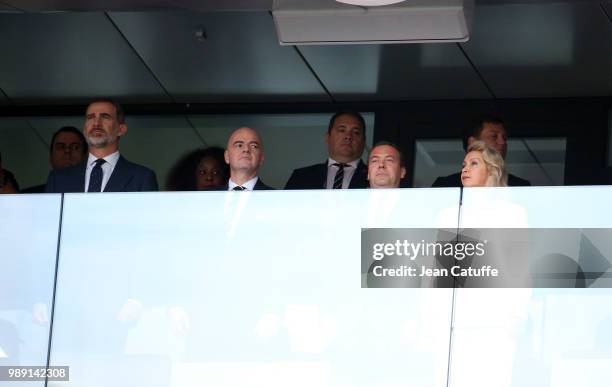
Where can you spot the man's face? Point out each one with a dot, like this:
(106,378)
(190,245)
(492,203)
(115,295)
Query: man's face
(494,135)
(346,139)
(384,167)
(244,151)
(101,125)
(67,150)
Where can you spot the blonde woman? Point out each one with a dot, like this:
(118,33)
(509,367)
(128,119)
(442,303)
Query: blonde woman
(483,166)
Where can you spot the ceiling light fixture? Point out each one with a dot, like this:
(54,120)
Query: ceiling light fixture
(330,22)
(369,3)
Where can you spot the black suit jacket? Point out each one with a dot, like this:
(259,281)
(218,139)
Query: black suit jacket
(35,189)
(454,180)
(126,177)
(315,177)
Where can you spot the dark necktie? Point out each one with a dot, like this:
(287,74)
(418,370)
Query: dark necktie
(95,179)
(339,175)
(238,188)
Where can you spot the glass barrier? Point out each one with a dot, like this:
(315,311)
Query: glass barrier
(264,288)
(244,289)
(540,336)
(28,233)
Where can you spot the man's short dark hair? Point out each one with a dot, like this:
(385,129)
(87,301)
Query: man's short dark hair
(394,146)
(477,126)
(118,108)
(352,113)
(69,129)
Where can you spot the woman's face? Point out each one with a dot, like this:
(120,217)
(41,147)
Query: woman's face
(474,172)
(209,174)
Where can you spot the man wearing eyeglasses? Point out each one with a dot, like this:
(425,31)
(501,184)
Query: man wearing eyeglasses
(68,148)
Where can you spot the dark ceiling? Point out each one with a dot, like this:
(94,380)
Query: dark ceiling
(147,51)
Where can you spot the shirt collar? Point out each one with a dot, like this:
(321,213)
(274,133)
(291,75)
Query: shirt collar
(353,163)
(249,185)
(110,159)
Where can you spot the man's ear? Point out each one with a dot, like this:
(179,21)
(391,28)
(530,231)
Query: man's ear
(470,140)
(403,173)
(122,130)
(226,157)
(327,138)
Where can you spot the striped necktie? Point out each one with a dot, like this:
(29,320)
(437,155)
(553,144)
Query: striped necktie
(339,175)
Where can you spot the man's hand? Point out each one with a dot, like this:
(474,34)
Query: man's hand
(39,313)
(179,321)
(131,311)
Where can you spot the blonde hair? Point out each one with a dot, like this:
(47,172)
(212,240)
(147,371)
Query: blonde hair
(498,177)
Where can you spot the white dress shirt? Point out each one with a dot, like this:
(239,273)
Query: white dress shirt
(249,185)
(348,173)
(107,168)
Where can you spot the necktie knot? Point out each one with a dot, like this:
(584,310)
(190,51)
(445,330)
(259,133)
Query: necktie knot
(238,188)
(339,178)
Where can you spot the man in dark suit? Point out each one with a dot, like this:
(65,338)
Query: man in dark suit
(105,170)
(245,155)
(491,130)
(345,140)
(68,148)
(385,166)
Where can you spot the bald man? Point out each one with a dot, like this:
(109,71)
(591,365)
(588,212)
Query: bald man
(245,155)
(385,166)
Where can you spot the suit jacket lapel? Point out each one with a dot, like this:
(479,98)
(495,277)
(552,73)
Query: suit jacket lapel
(79,179)
(120,177)
(360,175)
(323,173)
(259,185)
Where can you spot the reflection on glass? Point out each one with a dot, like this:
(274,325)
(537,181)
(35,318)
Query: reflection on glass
(537,337)
(242,288)
(28,232)
(225,288)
